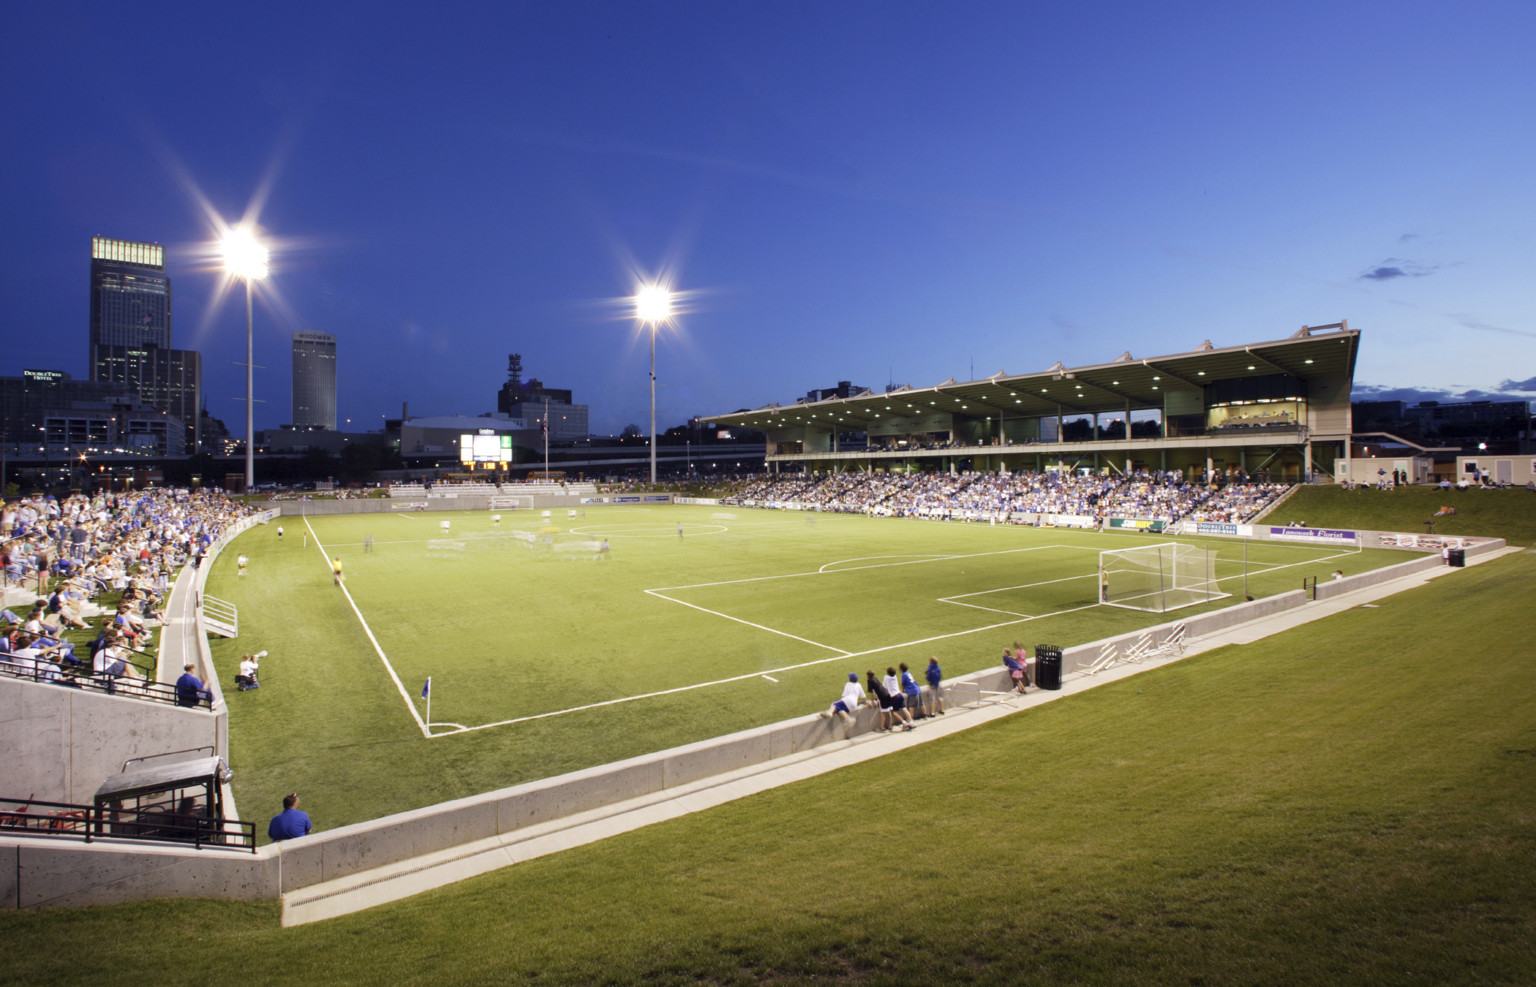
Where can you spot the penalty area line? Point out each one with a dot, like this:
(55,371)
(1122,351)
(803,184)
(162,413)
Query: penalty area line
(373,640)
(761,627)
(753,675)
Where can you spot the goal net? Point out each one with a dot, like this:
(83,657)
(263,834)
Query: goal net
(1158,578)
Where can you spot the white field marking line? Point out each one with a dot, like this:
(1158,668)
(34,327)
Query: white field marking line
(1005,589)
(1289,565)
(842,656)
(876,559)
(977,606)
(770,678)
(761,627)
(405,517)
(751,675)
(653,531)
(373,640)
(823,571)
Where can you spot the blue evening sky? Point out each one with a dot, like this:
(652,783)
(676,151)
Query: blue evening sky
(873,192)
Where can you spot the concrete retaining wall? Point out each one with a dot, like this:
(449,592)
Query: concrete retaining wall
(1083,655)
(43,873)
(60,744)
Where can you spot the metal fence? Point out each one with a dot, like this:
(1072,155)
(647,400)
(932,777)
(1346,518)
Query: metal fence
(35,817)
(145,688)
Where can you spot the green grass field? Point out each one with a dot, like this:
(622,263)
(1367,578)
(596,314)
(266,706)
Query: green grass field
(1508,513)
(545,661)
(1347,802)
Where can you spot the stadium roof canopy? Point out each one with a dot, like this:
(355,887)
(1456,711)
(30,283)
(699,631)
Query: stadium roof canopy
(1137,383)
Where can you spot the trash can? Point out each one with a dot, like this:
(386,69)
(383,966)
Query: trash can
(1457,557)
(1048,666)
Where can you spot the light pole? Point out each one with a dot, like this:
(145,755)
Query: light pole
(246,259)
(653,306)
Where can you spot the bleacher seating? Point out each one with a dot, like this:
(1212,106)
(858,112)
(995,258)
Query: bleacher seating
(1009,497)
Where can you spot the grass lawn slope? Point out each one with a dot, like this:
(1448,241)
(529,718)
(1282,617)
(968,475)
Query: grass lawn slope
(1509,514)
(1351,801)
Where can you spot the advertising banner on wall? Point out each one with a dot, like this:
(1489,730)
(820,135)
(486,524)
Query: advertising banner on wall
(1137,524)
(1314,535)
(1067,520)
(1427,542)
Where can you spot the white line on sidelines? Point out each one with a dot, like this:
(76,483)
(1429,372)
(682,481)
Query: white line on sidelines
(761,627)
(755,675)
(770,678)
(373,640)
(883,565)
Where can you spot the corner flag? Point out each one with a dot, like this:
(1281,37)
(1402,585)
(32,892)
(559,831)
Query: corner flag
(426,690)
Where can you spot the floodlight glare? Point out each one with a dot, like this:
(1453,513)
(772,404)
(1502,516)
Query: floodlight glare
(246,259)
(243,256)
(653,304)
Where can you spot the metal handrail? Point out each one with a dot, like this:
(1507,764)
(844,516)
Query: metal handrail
(146,689)
(71,820)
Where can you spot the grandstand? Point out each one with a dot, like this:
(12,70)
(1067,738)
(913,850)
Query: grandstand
(1052,498)
(1277,409)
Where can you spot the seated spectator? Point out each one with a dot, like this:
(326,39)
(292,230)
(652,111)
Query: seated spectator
(189,689)
(290,823)
(249,665)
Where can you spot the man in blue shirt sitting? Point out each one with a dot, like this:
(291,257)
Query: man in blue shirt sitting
(189,688)
(290,823)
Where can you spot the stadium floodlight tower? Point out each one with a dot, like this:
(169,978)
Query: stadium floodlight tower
(246,259)
(653,306)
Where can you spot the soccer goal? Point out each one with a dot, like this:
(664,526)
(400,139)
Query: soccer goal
(1158,578)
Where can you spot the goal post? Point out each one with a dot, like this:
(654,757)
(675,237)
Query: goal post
(1158,578)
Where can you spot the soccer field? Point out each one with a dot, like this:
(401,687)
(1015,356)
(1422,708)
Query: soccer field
(546,654)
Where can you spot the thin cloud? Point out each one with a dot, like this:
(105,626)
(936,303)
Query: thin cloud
(1392,268)
(1482,326)
(1529,384)
(1418,395)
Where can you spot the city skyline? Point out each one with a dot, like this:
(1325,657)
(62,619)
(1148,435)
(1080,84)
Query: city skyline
(883,194)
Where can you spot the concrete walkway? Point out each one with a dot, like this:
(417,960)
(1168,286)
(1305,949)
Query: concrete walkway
(401,880)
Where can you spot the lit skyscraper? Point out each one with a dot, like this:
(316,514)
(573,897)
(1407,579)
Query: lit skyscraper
(314,380)
(130,296)
(130,331)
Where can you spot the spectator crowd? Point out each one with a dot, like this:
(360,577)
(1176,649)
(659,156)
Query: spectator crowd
(1018,498)
(104,558)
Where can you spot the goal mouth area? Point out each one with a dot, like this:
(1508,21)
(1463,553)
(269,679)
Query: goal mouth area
(1158,578)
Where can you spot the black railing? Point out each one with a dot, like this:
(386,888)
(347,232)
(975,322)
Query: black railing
(36,817)
(35,670)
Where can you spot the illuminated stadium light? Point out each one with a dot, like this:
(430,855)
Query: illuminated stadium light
(653,306)
(245,258)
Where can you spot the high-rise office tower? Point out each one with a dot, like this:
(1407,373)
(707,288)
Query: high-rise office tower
(130,296)
(314,380)
(130,332)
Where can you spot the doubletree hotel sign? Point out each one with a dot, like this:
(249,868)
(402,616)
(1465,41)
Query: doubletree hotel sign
(43,376)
